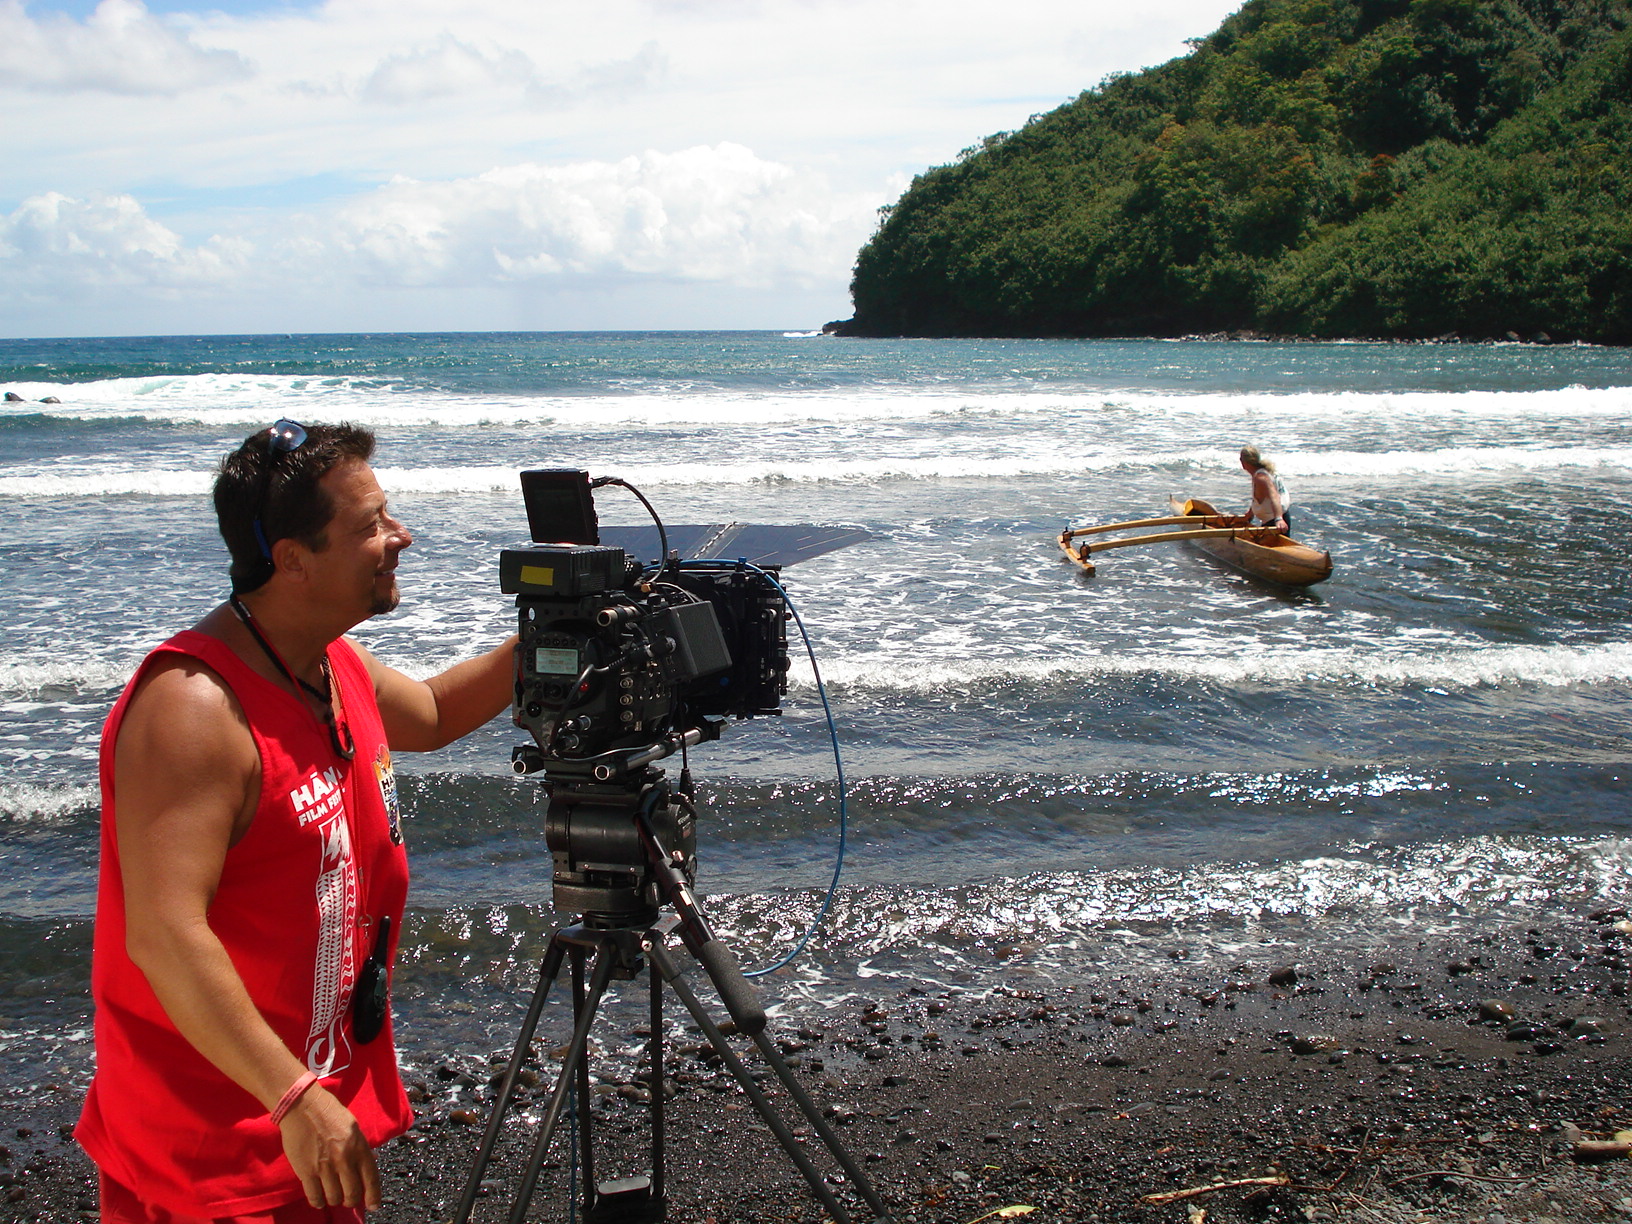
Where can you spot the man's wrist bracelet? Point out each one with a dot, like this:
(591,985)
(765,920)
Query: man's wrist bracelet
(295,1092)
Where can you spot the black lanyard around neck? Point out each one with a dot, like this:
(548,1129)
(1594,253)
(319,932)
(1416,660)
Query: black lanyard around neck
(344,748)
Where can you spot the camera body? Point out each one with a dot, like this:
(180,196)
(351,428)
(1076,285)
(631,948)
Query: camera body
(618,665)
(608,661)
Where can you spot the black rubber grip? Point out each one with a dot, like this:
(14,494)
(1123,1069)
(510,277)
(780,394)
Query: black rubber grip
(739,997)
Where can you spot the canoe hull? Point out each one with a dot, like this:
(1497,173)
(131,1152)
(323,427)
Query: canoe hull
(1270,556)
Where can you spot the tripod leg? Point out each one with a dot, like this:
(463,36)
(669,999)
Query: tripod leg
(586,1142)
(548,969)
(808,1107)
(605,961)
(762,1105)
(659,1190)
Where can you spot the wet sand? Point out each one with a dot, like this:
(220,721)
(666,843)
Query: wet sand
(1463,1084)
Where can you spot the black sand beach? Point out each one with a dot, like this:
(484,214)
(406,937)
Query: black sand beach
(1468,1083)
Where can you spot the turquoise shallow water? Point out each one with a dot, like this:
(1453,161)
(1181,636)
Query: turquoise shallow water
(1438,735)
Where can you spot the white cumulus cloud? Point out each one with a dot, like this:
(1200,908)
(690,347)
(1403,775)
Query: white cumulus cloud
(420,164)
(120,48)
(712,213)
(54,242)
(447,68)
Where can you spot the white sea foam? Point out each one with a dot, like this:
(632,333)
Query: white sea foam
(22,803)
(1460,668)
(1038,457)
(233,402)
(910,671)
(33,680)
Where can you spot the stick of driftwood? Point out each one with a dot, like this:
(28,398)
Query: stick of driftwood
(1455,1173)
(1175,1196)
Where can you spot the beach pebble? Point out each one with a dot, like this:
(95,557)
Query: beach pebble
(1524,1030)
(1494,1010)
(841,1113)
(1584,1026)
(1312,1043)
(1286,975)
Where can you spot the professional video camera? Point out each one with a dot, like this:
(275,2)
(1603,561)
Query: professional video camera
(616,656)
(618,665)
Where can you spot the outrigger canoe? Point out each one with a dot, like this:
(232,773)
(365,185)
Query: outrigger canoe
(1259,551)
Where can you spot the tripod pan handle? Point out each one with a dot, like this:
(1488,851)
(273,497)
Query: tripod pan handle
(739,997)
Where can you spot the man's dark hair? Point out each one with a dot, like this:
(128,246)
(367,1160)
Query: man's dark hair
(279,489)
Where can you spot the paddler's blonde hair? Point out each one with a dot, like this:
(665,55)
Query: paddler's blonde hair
(1250,455)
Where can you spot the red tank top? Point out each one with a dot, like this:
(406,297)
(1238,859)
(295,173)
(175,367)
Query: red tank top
(298,907)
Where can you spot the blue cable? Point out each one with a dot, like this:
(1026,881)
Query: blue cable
(838,763)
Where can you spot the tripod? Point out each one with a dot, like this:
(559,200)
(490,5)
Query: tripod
(620,949)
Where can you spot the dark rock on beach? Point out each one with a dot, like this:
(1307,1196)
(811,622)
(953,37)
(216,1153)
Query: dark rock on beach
(1343,1098)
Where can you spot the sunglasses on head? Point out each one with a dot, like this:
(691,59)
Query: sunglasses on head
(286,436)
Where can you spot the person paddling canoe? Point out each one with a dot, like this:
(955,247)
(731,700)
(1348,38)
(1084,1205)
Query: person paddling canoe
(1269,498)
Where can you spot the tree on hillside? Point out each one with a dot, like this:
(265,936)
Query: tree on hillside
(1325,167)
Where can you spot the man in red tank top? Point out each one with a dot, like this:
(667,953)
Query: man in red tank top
(253,873)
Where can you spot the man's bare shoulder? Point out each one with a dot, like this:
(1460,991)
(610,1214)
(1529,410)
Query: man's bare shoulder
(185,760)
(184,708)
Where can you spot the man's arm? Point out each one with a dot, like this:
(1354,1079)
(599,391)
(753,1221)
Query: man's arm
(421,715)
(186,785)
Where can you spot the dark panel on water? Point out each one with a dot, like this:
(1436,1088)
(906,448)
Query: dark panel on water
(759,543)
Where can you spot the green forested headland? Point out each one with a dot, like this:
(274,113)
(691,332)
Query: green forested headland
(1386,168)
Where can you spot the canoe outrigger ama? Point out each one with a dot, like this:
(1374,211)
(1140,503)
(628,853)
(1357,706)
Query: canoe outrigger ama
(1261,552)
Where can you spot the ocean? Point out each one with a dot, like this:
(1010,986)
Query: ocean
(1051,778)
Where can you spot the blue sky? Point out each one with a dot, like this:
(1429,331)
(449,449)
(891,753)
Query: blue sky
(431,164)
